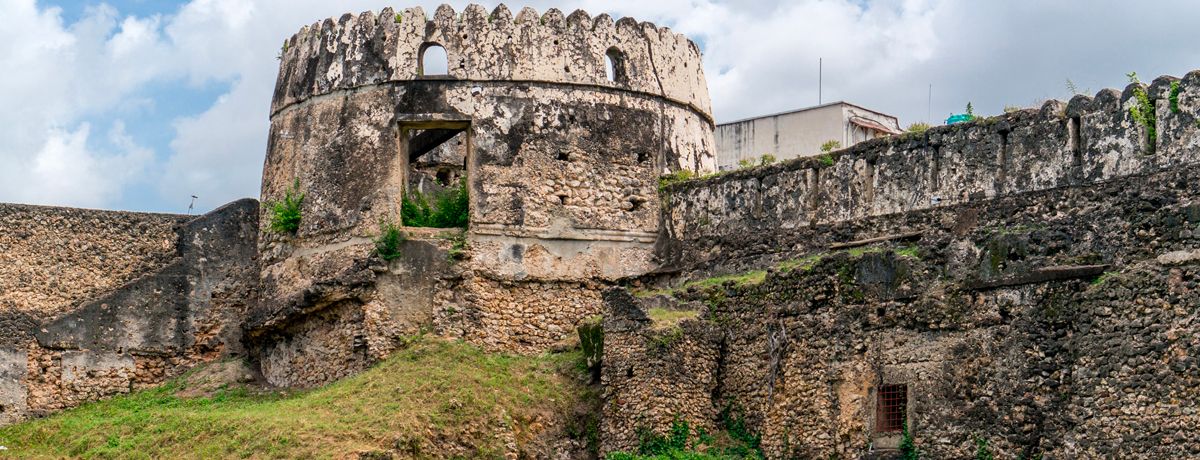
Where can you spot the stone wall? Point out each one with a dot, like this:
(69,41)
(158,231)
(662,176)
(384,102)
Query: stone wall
(561,164)
(653,376)
(1059,322)
(1087,141)
(123,320)
(349,308)
(52,258)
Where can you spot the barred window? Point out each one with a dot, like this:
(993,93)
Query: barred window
(891,409)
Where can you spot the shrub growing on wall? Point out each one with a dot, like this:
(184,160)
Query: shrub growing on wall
(285,214)
(387,244)
(450,208)
(918,127)
(831,145)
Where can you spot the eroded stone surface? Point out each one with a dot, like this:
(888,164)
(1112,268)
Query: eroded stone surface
(163,293)
(561,163)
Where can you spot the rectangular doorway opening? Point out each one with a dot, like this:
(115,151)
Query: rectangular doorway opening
(436,190)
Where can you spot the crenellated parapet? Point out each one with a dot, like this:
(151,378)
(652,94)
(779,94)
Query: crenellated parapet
(1084,142)
(368,49)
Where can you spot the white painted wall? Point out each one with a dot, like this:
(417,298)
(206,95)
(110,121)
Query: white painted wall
(793,134)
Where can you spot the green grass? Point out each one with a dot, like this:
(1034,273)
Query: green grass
(741,279)
(912,252)
(666,180)
(427,395)
(663,318)
(750,278)
(758,276)
(1103,278)
(802,264)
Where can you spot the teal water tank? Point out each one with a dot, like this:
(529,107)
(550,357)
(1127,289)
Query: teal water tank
(959,118)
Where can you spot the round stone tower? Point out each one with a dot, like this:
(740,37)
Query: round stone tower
(559,127)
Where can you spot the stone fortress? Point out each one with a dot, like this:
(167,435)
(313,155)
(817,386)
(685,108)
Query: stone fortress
(1032,279)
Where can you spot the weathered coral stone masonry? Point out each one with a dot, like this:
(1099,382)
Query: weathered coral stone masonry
(561,157)
(96,303)
(1032,280)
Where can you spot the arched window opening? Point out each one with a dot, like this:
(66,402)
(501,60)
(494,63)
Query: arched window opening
(614,68)
(434,61)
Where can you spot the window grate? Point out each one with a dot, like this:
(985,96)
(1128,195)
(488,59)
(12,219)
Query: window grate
(893,404)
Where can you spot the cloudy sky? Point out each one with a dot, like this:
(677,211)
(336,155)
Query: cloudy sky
(139,104)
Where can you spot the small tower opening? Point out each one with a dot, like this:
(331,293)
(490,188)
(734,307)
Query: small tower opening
(614,67)
(433,61)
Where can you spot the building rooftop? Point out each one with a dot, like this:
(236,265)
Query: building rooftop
(805,109)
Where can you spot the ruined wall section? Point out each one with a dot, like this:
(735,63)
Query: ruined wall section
(654,375)
(1059,323)
(152,327)
(52,258)
(1087,141)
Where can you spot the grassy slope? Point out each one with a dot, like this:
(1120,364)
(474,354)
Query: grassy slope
(434,399)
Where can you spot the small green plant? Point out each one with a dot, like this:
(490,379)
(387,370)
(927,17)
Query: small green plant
(825,160)
(458,245)
(450,209)
(1011,109)
(400,18)
(982,450)
(971,110)
(802,264)
(734,422)
(909,251)
(285,214)
(908,448)
(665,338)
(763,160)
(1075,89)
(1173,96)
(831,145)
(676,177)
(679,444)
(918,127)
(1142,111)
(387,244)
(1103,278)
(675,440)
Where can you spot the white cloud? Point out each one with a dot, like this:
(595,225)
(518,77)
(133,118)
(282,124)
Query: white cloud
(66,172)
(760,57)
(55,76)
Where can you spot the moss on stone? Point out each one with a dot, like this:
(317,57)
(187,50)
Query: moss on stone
(661,318)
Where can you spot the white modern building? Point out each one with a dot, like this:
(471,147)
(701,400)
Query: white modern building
(800,133)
